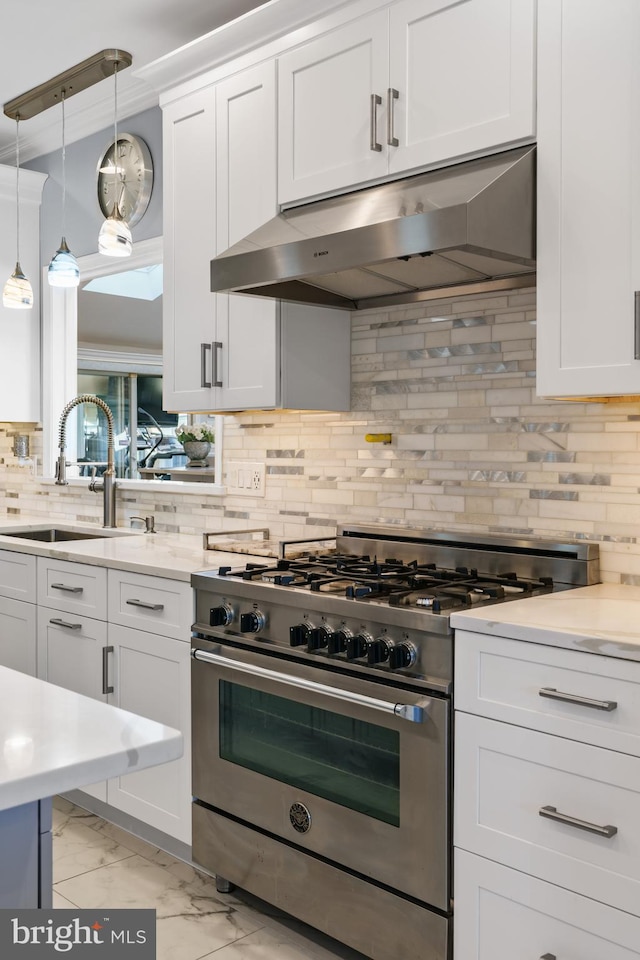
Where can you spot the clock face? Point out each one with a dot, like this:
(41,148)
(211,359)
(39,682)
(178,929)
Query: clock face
(125,178)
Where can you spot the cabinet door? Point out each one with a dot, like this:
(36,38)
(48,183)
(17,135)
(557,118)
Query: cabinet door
(151,678)
(502,914)
(324,99)
(18,635)
(588,198)
(73,653)
(247,327)
(465,76)
(189,244)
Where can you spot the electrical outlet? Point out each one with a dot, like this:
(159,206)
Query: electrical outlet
(246,478)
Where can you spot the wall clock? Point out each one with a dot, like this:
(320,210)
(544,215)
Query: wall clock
(125,178)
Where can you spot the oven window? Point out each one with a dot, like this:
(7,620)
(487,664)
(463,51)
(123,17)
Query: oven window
(350,762)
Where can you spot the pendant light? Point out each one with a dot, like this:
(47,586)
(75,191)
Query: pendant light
(17,293)
(63,269)
(114,239)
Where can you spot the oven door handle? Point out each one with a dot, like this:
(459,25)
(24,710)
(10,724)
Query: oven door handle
(415,712)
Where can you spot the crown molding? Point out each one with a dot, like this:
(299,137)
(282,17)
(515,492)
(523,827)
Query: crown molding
(31,184)
(259,29)
(145,253)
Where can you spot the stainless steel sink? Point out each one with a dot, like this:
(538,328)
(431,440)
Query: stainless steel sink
(56,535)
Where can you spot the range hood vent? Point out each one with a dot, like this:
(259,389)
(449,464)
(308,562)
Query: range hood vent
(463,229)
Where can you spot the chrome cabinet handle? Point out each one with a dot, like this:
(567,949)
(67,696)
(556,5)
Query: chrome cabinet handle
(373,125)
(416,713)
(392,95)
(145,605)
(552,814)
(552,694)
(57,622)
(63,586)
(636,315)
(105,670)
(215,346)
(203,364)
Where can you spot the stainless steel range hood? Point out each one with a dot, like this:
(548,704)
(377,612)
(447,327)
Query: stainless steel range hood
(461,229)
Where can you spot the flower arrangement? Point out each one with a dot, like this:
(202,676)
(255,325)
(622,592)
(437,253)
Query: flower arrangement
(187,432)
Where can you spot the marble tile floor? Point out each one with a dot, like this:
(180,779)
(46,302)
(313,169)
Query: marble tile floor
(96,864)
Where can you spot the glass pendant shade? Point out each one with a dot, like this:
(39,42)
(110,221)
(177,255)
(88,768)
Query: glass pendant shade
(114,239)
(17,292)
(63,269)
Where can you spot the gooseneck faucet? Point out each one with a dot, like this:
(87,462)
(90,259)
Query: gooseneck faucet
(108,484)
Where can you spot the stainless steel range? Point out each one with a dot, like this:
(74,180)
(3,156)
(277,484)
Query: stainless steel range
(322,723)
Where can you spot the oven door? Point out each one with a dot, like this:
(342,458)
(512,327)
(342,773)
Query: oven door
(352,770)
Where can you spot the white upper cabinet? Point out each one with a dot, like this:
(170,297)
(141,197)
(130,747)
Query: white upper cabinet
(588,198)
(235,352)
(20,339)
(189,244)
(465,76)
(246,198)
(331,95)
(416,85)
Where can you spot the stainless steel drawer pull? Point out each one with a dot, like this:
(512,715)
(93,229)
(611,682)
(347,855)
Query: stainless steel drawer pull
(145,605)
(63,586)
(552,814)
(64,623)
(552,694)
(105,670)
(373,143)
(203,364)
(636,325)
(391,96)
(415,712)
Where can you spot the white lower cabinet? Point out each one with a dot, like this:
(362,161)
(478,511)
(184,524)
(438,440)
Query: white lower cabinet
(151,677)
(546,800)
(137,668)
(18,611)
(72,653)
(502,914)
(18,635)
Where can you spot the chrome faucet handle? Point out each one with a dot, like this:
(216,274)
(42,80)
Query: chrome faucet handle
(96,486)
(149,523)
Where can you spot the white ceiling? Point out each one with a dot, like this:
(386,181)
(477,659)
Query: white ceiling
(42,38)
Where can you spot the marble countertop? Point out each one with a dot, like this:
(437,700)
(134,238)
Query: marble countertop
(172,555)
(52,740)
(602,619)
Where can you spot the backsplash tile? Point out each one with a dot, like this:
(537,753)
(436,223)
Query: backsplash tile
(472,447)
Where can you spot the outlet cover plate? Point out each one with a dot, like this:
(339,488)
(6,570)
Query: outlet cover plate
(245,478)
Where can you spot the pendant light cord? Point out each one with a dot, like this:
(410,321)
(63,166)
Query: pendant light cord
(116,200)
(17,189)
(64,174)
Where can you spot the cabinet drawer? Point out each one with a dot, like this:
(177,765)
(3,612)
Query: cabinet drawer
(505,777)
(507,679)
(505,915)
(73,587)
(154,604)
(17,576)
